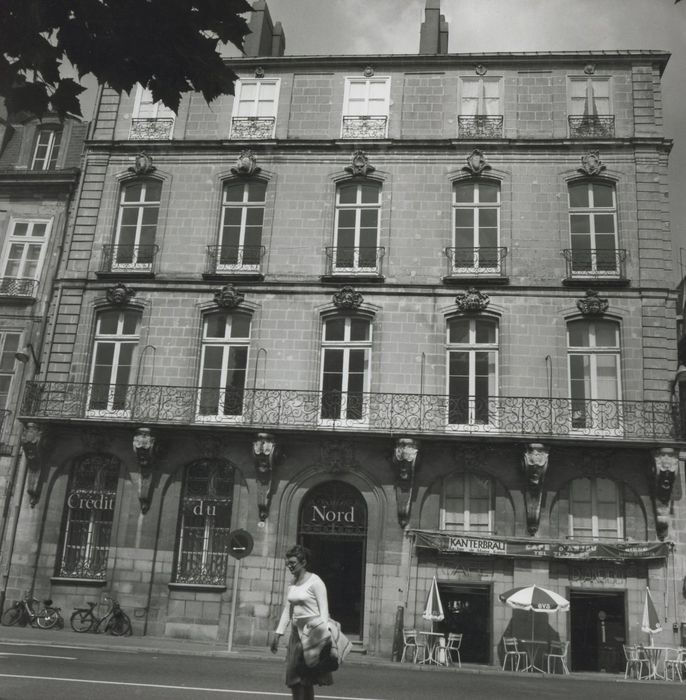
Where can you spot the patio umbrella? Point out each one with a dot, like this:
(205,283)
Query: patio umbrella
(650,622)
(535,599)
(433,610)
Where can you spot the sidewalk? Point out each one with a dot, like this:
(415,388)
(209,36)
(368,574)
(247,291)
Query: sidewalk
(167,645)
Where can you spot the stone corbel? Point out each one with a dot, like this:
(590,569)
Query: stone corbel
(145,450)
(32,445)
(665,466)
(405,464)
(264,450)
(535,465)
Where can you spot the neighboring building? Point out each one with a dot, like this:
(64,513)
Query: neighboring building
(413,311)
(39,163)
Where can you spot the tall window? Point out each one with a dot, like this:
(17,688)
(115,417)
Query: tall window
(467,503)
(205,523)
(476,212)
(9,344)
(242,220)
(593,350)
(358,208)
(116,340)
(590,96)
(595,509)
(139,208)
(254,110)
(47,149)
(472,370)
(481,112)
(23,255)
(91,497)
(224,361)
(593,227)
(365,107)
(151,120)
(346,350)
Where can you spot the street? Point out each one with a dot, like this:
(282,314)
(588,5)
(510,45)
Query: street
(37,671)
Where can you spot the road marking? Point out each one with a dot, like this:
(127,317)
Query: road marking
(38,656)
(253,693)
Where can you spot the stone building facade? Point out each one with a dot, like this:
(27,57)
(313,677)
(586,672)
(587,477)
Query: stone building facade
(409,310)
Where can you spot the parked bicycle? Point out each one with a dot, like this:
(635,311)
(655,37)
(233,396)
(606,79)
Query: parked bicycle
(115,621)
(27,611)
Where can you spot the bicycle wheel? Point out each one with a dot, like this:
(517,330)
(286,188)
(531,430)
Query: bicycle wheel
(47,618)
(119,625)
(12,616)
(82,621)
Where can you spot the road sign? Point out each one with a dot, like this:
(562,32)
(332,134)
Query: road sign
(240,543)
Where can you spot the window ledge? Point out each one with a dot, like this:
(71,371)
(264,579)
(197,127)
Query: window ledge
(69,581)
(234,275)
(471,279)
(208,587)
(596,282)
(353,277)
(125,274)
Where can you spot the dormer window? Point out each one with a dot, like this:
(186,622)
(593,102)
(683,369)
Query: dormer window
(47,149)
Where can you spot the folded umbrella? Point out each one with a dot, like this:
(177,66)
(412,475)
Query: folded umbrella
(650,622)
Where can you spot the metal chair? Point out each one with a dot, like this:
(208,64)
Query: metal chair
(454,644)
(558,652)
(411,641)
(635,662)
(513,653)
(676,665)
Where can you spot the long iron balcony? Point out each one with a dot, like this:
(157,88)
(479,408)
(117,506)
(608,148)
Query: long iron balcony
(645,421)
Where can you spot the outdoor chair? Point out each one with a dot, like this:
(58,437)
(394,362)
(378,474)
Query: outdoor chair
(557,653)
(412,642)
(635,662)
(453,647)
(676,665)
(513,653)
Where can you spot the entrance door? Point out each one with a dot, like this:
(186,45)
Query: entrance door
(467,610)
(333,526)
(597,630)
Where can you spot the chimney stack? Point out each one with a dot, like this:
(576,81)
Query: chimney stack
(433,34)
(266,38)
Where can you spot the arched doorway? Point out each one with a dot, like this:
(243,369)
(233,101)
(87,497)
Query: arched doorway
(333,526)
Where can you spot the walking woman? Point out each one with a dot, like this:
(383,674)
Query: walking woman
(305,600)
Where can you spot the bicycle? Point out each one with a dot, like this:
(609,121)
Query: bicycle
(23,612)
(115,620)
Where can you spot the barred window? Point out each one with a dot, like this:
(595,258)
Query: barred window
(89,512)
(205,523)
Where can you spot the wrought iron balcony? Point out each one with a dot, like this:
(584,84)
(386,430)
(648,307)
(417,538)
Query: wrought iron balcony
(128,258)
(252,128)
(476,262)
(480,126)
(645,421)
(591,127)
(364,127)
(18,287)
(152,129)
(595,264)
(345,261)
(238,259)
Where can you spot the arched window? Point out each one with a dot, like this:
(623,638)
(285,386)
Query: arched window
(139,208)
(346,356)
(472,350)
(240,243)
(593,229)
(467,503)
(223,365)
(476,220)
(89,507)
(594,367)
(596,509)
(356,245)
(205,523)
(47,149)
(117,333)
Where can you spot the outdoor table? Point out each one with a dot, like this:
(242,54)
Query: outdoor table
(433,648)
(533,648)
(654,655)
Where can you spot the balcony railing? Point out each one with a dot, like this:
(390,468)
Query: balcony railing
(365,260)
(595,264)
(480,127)
(152,129)
(252,128)
(18,287)
(476,262)
(239,259)
(128,258)
(368,412)
(364,127)
(583,126)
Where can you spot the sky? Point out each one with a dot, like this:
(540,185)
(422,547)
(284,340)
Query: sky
(392,26)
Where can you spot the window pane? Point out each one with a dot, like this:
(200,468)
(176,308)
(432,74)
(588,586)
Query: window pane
(603,195)
(369,194)
(578,334)
(606,334)
(233,193)
(464,192)
(257,191)
(488,192)
(240,326)
(359,329)
(215,326)
(347,194)
(108,322)
(578,195)
(485,331)
(458,331)
(334,329)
